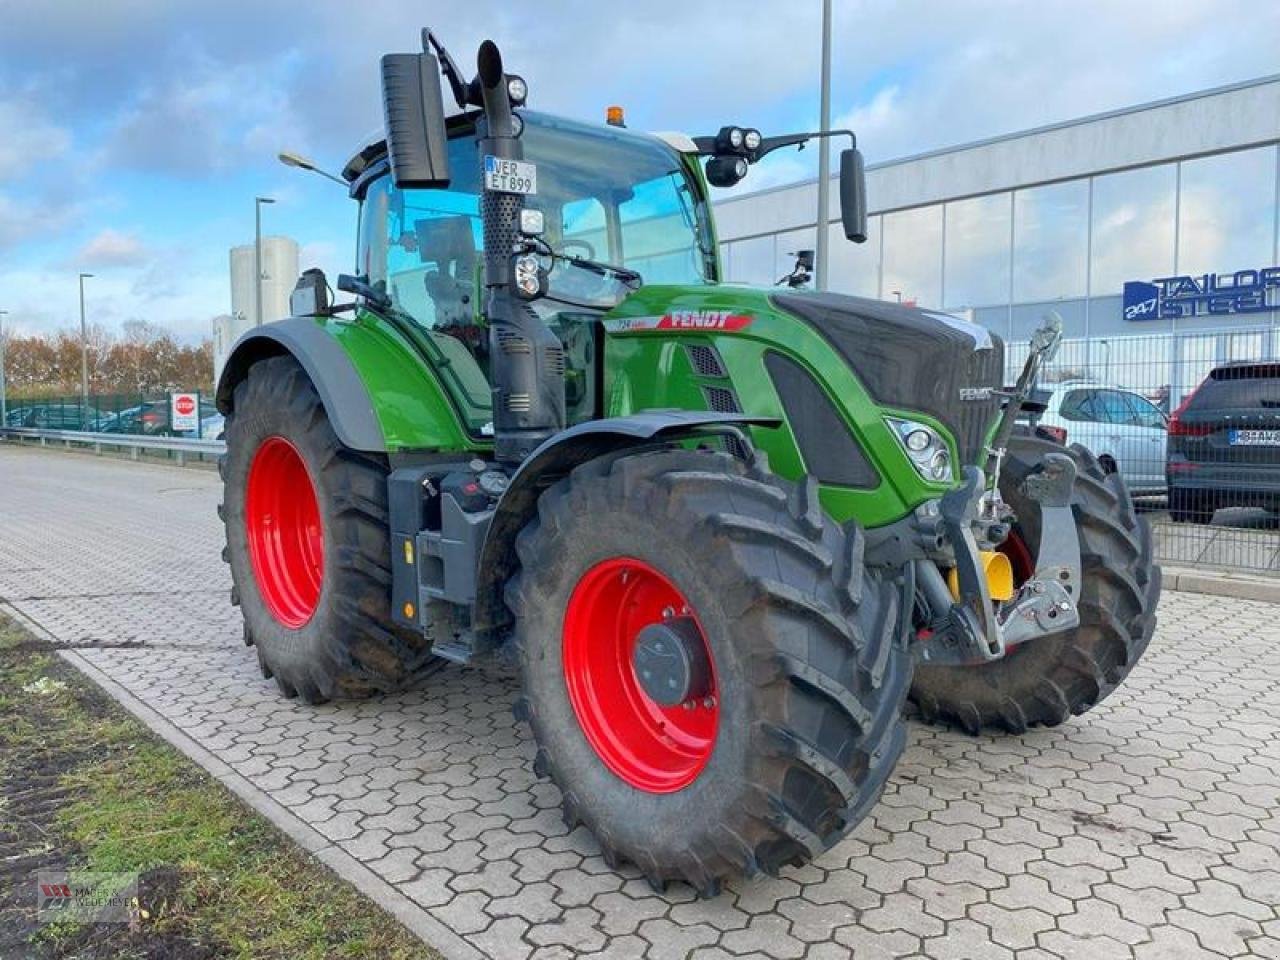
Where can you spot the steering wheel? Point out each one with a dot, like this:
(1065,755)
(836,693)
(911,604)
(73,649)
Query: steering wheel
(591,251)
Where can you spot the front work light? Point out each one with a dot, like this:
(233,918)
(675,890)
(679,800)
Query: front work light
(924,447)
(517,89)
(725,170)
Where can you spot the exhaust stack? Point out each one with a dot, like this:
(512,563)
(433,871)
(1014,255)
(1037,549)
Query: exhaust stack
(526,358)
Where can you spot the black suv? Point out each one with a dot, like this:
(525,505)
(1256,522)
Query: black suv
(1224,443)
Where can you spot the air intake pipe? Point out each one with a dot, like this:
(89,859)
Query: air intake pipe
(526,358)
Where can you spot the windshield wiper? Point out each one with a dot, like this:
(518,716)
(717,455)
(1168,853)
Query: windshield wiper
(630,278)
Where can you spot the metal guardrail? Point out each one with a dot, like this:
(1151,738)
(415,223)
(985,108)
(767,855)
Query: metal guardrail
(181,447)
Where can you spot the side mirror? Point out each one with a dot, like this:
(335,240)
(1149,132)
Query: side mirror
(853,195)
(416,138)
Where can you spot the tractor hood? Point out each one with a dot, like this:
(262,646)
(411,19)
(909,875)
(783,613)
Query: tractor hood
(906,358)
(913,359)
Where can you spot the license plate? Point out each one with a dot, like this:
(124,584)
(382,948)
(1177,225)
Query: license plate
(510,176)
(1254,438)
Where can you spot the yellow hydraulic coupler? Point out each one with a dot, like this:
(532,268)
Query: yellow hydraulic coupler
(999,574)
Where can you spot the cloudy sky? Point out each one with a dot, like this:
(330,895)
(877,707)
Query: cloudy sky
(134,134)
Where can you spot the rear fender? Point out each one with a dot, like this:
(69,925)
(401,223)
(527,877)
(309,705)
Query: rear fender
(553,460)
(379,392)
(343,393)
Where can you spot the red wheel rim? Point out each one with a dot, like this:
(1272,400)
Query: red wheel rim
(652,747)
(286,542)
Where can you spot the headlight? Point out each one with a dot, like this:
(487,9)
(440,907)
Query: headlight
(924,447)
(517,89)
(751,139)
(735,138)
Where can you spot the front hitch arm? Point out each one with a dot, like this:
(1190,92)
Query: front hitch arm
(973,629)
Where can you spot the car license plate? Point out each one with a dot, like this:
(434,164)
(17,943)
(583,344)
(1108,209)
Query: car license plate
(510,176)
(1254,438)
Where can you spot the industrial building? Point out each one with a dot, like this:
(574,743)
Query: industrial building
(1156,219)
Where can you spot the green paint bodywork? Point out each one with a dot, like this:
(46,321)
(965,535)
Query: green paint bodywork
(413,408)
(647,369)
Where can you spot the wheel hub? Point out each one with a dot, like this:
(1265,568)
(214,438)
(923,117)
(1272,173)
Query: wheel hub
(626,619)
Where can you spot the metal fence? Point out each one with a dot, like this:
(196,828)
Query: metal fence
(1192,423)
(146,415)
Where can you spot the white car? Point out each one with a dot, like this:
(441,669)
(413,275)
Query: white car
(1123,429)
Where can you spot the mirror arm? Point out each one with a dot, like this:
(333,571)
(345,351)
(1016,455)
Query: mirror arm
(708,146)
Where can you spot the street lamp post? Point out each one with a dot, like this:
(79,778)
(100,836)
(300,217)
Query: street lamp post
(84,351)
(290,159)
(257,256)
(4,410)
(824,154)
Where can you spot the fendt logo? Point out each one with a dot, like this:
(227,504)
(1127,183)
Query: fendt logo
(704,320)
(682,320)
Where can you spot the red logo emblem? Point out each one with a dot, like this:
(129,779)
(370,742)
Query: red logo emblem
(704,320)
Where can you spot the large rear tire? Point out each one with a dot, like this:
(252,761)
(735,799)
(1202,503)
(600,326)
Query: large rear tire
(789,737)
(309,545)
(1047,680)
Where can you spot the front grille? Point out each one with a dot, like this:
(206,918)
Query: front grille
(970,420)
(721,400)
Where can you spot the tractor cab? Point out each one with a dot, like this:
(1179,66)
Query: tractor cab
(606,197)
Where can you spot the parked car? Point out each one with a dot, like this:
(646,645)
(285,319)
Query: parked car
(152,419)
(1224,443)
(52,416)
(1122,428)
(122,421)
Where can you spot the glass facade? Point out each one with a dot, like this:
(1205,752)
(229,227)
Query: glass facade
(1008,256)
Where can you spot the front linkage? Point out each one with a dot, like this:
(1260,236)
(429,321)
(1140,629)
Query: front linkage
(964,623)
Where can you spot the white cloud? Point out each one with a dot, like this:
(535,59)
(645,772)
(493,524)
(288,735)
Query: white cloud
(28,138)
(111,248)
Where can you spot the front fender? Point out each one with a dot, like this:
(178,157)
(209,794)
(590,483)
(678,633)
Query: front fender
(556,458)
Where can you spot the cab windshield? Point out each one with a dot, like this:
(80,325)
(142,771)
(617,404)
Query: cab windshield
(607,195)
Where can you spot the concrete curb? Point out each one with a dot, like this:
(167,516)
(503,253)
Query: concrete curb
(431,931)
(1222,583)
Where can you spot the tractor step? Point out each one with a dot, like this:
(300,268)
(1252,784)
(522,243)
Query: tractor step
(457,649)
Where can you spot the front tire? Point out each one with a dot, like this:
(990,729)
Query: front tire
(789,737)
(308,542)
(1049,679)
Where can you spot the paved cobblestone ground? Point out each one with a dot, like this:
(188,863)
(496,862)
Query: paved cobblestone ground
(1149,828)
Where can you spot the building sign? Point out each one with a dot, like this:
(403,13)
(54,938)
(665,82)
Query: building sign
(1207,294)
(184,411)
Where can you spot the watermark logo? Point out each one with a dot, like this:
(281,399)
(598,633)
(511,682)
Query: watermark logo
(86,897)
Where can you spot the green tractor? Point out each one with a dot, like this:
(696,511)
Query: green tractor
(721,534)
